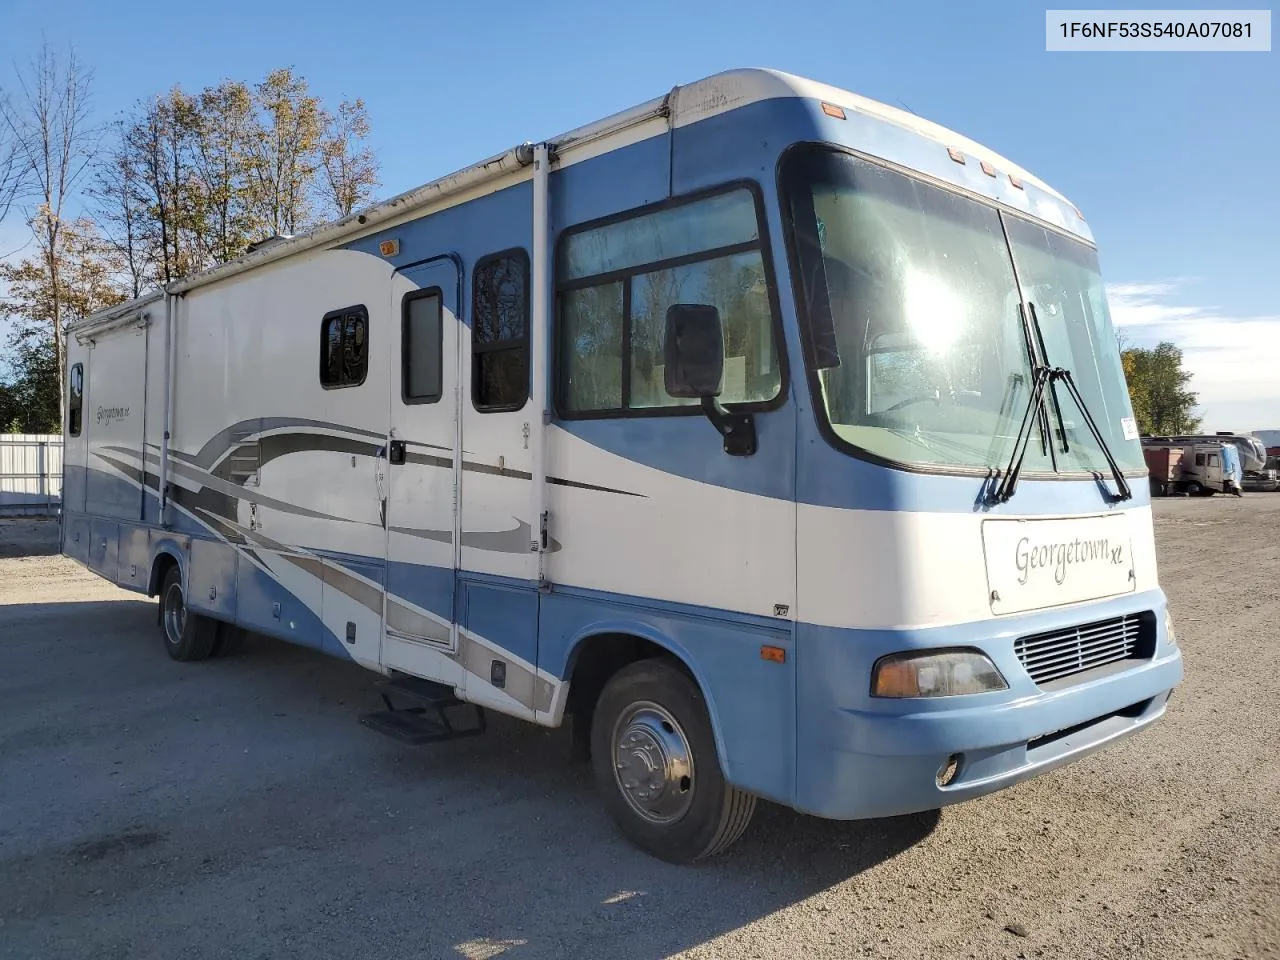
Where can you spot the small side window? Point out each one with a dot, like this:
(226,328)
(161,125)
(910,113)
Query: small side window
(420,347)
(1199,459)
(75,400)
(344,348)
(500,332)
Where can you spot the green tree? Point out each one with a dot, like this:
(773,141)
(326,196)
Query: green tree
(286,151)
(225,132)
(1158,389)
(87,270)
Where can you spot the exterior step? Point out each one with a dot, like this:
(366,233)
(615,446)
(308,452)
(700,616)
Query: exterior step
(422,692)
(436,713)
(419,726)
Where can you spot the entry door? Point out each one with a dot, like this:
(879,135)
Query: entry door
(421,471)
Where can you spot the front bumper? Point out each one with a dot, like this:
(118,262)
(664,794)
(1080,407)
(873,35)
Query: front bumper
(861,757)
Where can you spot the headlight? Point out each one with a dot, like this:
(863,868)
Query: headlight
(949,673)
(1169,631)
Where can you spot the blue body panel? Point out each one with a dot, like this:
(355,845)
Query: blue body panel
(752,701)
(862,756)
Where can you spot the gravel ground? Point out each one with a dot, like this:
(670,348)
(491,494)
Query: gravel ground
(234,808)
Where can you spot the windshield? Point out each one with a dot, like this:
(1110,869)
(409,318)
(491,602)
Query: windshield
(915,328)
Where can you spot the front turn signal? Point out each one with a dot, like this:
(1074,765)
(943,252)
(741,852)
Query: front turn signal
(944,673)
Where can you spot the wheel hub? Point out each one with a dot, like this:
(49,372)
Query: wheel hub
(175,614)
(652,763)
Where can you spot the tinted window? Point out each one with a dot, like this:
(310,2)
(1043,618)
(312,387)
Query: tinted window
(591,344)
(344,348)
(421,347)
(500,332)
(617,281)
(709,224)
(75,400)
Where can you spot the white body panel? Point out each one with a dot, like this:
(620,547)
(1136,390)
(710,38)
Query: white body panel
(926,569)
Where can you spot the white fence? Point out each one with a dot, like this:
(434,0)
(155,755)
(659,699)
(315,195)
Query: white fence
(30,474)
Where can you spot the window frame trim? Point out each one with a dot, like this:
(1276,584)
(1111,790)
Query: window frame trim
(363,312)
(762,243)
(816,404)
(421,294)
(511,343)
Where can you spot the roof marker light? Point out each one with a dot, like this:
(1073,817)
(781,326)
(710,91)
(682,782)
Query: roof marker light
(955,154)
(988,169)
(831,110)
(1015,181)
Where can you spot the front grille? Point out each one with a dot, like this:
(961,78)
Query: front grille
(1062,653)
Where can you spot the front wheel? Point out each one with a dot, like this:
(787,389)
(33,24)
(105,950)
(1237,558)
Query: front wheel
(187,636)
(655,763)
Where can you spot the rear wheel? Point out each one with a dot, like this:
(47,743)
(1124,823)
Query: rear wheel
(1194,489)
(187,635)
(231,641)
(656,766)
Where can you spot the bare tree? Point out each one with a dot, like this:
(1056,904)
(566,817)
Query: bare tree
(120,208)
(13,172)
(49,126)
(350,168)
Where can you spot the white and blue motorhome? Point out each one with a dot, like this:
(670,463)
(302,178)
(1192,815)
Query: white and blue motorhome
(776,436)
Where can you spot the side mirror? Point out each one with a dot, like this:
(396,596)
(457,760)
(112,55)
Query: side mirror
(693,354)
(693,351)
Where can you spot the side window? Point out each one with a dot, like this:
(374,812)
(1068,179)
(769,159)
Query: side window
(75,400)
(500,332)
(420,347)
(1199,459)
(616,282)
(344,348)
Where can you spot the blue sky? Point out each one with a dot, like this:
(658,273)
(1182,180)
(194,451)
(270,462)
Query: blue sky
(1166,154)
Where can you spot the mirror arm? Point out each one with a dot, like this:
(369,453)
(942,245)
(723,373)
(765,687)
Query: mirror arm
(738,429)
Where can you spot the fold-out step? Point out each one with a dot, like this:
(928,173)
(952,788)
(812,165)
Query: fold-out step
(437,714)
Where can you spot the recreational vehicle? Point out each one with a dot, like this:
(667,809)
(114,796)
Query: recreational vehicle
(1198,468)
(774,437)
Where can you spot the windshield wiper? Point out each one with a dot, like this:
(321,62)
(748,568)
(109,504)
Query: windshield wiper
(1062,373)
(1008,484)
(1041,379)
(1122,487)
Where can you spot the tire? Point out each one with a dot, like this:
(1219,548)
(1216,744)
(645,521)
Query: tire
(1194,489)
(187,635)
(657,707)
(230,641)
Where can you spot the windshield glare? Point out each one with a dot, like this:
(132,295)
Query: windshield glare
(914,322)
